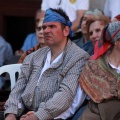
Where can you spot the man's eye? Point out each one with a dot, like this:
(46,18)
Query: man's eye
(51,26)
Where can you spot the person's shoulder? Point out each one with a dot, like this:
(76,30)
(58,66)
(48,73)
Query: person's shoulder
(42,50)
(93,62)
(2,41)
(36,56)
(74,53)
(9,47)
(77,50)
(5,44)
(31,34)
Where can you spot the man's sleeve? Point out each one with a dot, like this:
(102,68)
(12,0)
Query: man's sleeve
(9,52)
(14,103)
(63,98)
(44,5)
(114,8)
(82,4)
(107,9)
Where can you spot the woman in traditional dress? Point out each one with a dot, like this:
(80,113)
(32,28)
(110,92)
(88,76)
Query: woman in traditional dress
(95,26)
(100,78)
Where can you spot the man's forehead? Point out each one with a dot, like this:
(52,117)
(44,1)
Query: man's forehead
(51,23)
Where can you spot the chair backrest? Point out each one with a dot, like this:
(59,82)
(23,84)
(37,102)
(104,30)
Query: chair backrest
(11,69)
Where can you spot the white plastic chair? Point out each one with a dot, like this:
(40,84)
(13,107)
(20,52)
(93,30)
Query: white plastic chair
(11,69)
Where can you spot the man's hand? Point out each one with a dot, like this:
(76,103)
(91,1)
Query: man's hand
(29,116)
(10,117)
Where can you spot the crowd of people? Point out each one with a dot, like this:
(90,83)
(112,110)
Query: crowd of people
(72,72)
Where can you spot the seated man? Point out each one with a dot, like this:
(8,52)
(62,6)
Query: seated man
(49,76)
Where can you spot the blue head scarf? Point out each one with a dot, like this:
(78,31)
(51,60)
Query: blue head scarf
(52,16)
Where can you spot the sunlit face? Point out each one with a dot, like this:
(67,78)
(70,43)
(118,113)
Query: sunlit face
(54,34)
(95,30)
(39,32)
(84,20)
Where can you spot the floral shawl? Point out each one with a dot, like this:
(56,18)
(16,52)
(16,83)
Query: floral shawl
(100,81)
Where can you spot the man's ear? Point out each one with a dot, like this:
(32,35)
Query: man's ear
(66,31)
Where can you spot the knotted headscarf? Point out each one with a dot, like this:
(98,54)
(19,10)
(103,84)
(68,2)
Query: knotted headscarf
(52,16)
(118,17)
(110,34)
